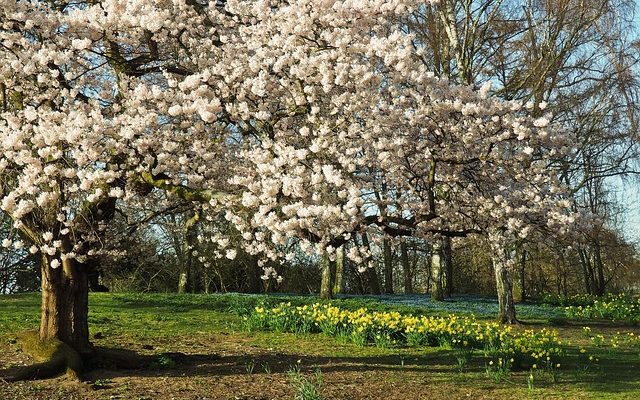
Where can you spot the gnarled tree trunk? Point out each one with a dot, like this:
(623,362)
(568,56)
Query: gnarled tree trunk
(65,304)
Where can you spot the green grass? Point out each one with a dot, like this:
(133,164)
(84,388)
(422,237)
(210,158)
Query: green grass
(170,322)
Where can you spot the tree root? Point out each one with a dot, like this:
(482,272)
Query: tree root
(54,358)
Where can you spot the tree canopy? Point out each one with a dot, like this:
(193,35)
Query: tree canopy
(295,120)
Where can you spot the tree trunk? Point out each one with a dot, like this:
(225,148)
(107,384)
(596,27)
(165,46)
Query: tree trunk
(523,288)
(357,282)
(325,284)
(406,268)
(182,282)
(504,286)
(586,270)
(599,265)
(447,256)
(373,282)
(437,267)
(388,267)
(252,269)
(65,304)
(188,279)
(339,272)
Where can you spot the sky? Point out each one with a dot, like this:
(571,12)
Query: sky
(628,195)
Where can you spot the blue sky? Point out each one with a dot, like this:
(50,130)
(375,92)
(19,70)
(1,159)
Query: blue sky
(629,197)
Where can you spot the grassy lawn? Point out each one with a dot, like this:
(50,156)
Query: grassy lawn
(204,352)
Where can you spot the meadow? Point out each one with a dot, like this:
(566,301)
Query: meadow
(233,346)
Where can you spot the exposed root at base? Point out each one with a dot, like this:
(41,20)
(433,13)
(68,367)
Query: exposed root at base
(54,358)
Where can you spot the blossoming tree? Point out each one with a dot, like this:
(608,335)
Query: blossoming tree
(299,119)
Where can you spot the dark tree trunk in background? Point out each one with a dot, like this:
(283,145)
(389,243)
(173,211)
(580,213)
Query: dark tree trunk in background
(437,271)
(599,264)
(252,269)
(357,281)
(447,255)
(586,270)
(188,276)
(354,281)
(406,268)
(388,267)
(65,304)
(373,282)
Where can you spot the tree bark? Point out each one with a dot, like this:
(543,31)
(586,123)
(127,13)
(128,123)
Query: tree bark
(373,282)
(339,272)
(586,270)
(601,283)
(325,284)
(504,286)
(388,267)
(182,282)
(65,304)
(188,281)
(437,267)
(406,268)
(252,269)
(447,258)
(523,282)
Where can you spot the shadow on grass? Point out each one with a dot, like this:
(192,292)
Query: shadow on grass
(129,363)
(233,302)
(607,376)
(611,376)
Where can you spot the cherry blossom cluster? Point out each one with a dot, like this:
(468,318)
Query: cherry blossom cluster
(300,119)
